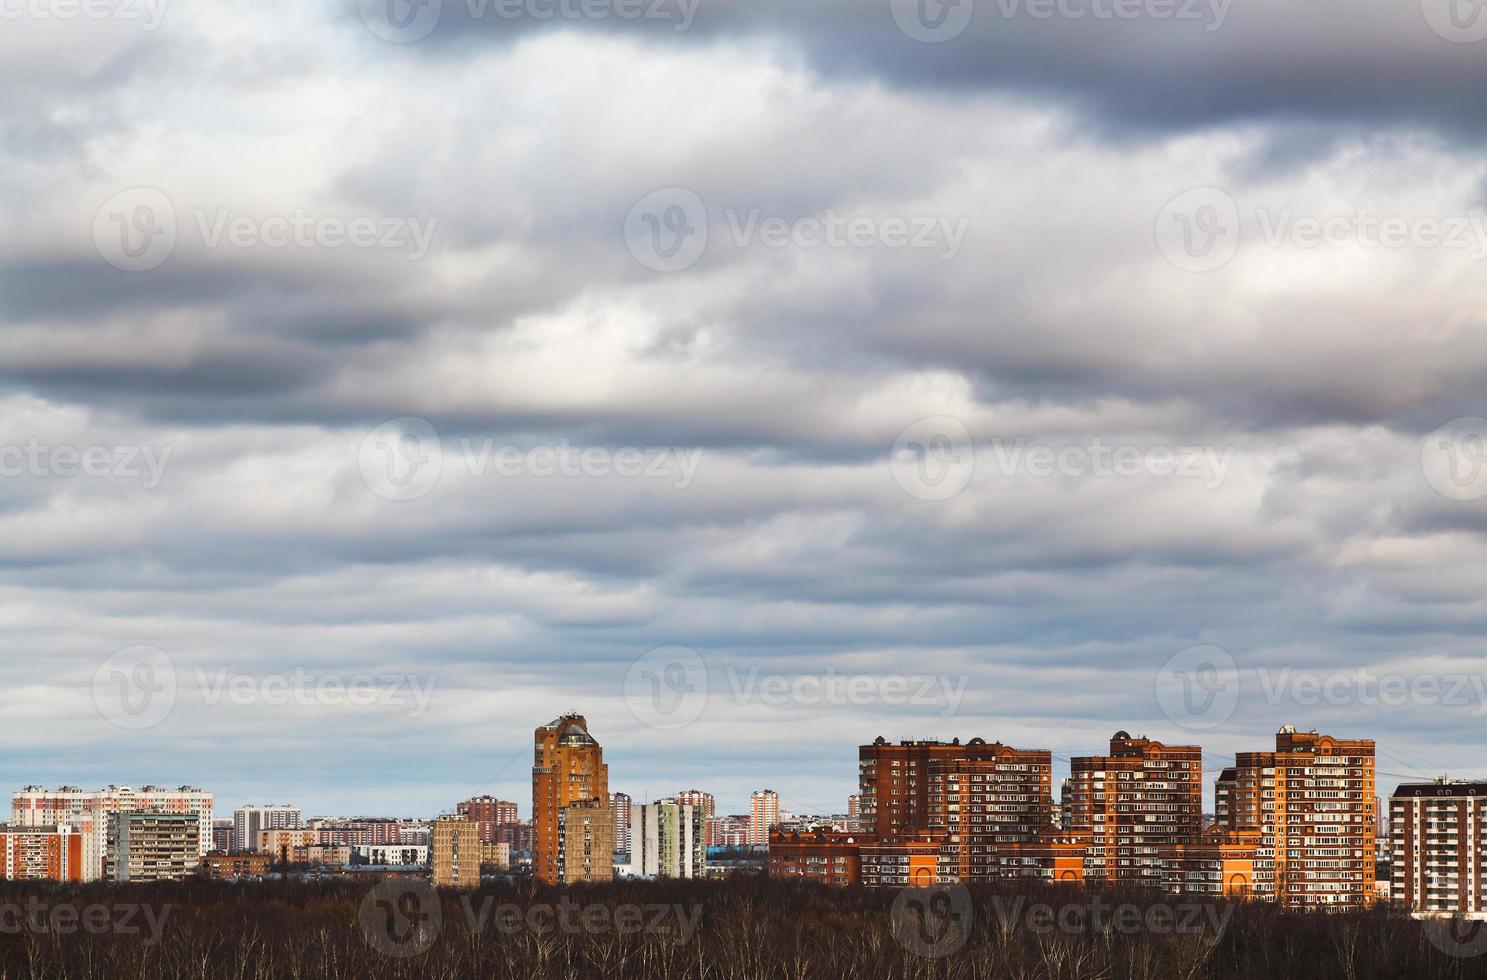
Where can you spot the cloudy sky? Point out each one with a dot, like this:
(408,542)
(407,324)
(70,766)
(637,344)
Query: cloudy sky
(755,377)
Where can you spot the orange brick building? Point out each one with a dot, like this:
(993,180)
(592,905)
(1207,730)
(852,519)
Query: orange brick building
(1311,803)
(567,768)
(218,864)
(1141,797)
(822,855)
(40,853)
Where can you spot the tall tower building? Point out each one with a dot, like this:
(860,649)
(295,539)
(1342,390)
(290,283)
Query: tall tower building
(764,813)
(705,803)
(1142,797)
(1311,801)
(455,852)
(567,769)
(249,820)
(619,809)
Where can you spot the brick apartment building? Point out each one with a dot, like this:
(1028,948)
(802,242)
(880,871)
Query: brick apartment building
(41,853)
(1309,805)
(821,855)
(1437,838)
(489,815)
(1140,798)
(567,770)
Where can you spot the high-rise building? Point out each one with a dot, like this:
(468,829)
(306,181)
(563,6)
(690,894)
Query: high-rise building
(1141,797)
(489,814)
(516,836)
(764,814)
(1311,802)
(223,835)
(41,854)
(456,853)
(250,819)
(150,845)
(1438,857)
(854,810)
(988,797)
(709,808)
(567,769)
(667,840)
(87,811)
(619,809)
(585,850)
(731,830)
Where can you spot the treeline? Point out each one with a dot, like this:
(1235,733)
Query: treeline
(746,928)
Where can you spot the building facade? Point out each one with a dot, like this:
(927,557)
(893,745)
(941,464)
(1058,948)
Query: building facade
(1142,797)
(764,815)
(456,853)
(668,840)
(823,856)
(149,845)
(249,820)
(567,769)
(1437,840)
(392,855)
(619,810)
(489,815)
(585,845)
(88,811)
(41,853)
(1311,804)
(220,864)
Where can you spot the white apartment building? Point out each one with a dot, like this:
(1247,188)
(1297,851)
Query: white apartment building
(1436,835)
(407,855)
(88,811)
(248,820)
(668,840)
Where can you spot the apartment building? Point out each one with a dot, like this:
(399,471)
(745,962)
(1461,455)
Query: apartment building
(456,853)
(249,820)
(1141,797)
(41,853)
(488,814)
(984,799)
(1311,804)
(825,856)
(668,840)
(1437,841)
(220,864)
(585,842)
(389,855)
(708,806)
(764,815)
(149,845)
(567,769)
(495,856)
(88,811)
(619,810)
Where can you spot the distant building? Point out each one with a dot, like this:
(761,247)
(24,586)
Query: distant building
(825,856)
(585,844)
(88,812)
(489,814)
(220,864)
(223,832)
(149,845)
(667,840)
(731,831)
(764,815)
(705,803)
(619,811)
(389,855)
(456,853)
(495,856)
(567,769)
(41,854)
(854,810)
(1436,833)
(248,821)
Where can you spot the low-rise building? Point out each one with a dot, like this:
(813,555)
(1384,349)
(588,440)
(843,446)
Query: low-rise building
(828,857)
(391,854)
(220,864)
